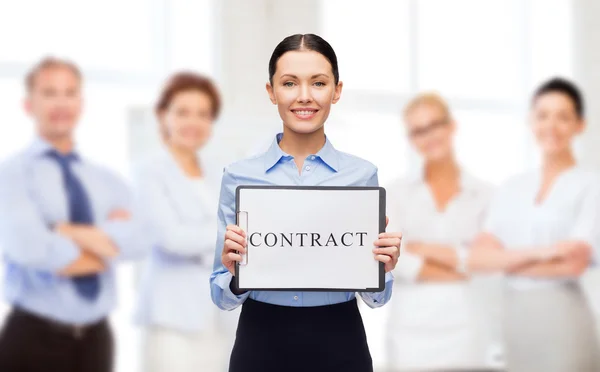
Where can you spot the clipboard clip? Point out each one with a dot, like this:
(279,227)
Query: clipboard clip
(242,221)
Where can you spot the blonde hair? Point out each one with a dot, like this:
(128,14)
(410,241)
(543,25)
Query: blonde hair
(429,99)
(46,63)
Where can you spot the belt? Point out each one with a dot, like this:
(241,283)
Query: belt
(77,331)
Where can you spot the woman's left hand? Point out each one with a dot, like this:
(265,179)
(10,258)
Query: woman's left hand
(387,248)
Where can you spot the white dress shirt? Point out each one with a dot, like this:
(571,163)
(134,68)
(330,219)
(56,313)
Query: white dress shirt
(435,325)
(33,200)
(569,211)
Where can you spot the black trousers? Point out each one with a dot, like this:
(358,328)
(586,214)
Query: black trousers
(29,343)
(273,338)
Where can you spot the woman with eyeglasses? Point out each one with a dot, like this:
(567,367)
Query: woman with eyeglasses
(433,323)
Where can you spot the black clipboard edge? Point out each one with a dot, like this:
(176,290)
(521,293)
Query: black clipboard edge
(382,217)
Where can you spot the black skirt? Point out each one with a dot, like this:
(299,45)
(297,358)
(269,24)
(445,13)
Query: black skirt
(273,338)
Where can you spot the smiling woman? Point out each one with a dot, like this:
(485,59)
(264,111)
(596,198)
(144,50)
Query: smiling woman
(275,328)
(542,227)
(174,305)
(304,82)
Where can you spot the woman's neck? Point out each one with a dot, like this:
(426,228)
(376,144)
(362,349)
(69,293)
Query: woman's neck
(301,145)
(443,178)
(442,170)
(556,163)
(187,161)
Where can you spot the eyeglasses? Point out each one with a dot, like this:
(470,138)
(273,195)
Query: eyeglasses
(424,130)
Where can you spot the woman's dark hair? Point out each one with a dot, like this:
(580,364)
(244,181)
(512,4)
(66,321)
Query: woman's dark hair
(566,87)
(304,42)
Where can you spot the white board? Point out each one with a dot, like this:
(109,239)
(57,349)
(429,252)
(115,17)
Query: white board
(310,238)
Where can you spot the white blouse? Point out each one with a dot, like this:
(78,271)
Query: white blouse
(412,210)
(570,211)
(208,197)
(174,290)
(429,317)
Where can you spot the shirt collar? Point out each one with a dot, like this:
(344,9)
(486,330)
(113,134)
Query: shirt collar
(40,147)
(163,152)
(328,154)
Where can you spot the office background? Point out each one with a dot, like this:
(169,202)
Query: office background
(485,56)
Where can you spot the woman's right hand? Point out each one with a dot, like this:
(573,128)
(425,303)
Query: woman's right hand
(233,248)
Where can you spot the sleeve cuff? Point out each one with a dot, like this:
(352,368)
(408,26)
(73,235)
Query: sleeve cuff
(223,281)
(581,235)
(378,299)
(66,253)
(115,230)
(409,266)
(389,277)
(128,238)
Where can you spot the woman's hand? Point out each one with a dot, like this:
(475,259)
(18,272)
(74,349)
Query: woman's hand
(415,248)
(387,248)
(572,249)
(233,248)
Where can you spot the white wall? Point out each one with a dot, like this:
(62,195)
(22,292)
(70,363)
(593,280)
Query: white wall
(586,58)
(586,63)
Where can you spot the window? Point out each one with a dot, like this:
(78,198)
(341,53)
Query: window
(470,49)
(371,42)
(353,132)
(492,145)
(111,35)
(16,128)
(550,41)
(191,35)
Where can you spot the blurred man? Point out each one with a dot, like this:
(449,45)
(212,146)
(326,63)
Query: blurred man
(64,223)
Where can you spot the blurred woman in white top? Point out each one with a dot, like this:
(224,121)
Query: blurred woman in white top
(175,307)
(435,324)
(542,229)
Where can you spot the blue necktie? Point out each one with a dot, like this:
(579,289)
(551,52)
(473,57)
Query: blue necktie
(80,212)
